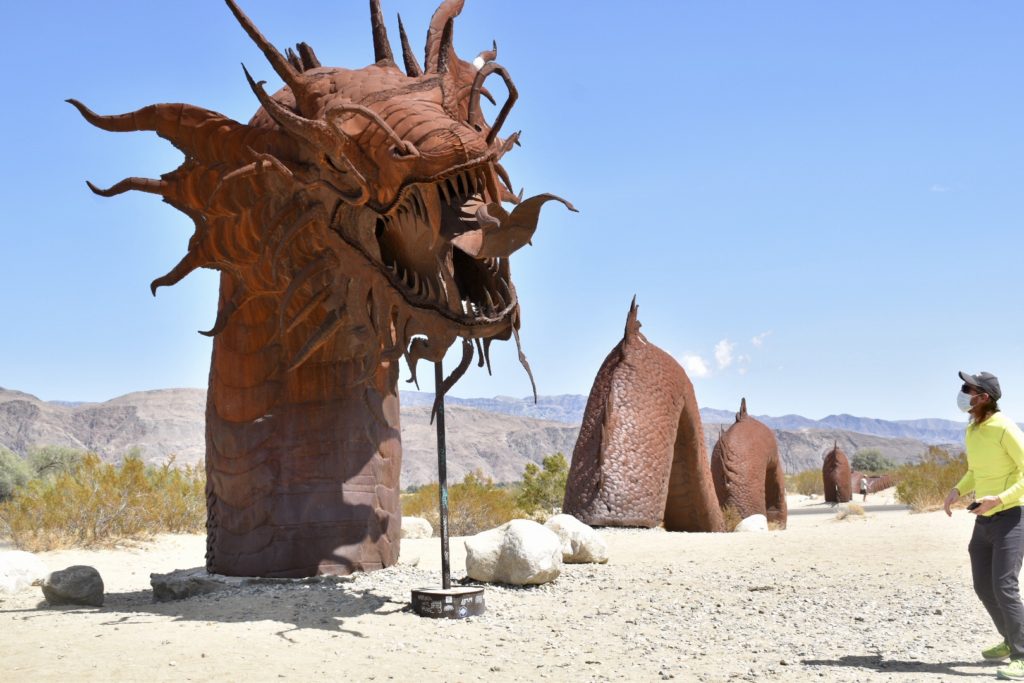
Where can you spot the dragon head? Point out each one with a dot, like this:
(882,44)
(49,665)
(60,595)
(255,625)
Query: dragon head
(367,204)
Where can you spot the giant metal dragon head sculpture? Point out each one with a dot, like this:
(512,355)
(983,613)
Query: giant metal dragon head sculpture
(366,204)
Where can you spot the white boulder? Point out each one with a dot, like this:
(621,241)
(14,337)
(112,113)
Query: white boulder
(580,543)
(753,523)
(519,552)
(416,527)
(19,570)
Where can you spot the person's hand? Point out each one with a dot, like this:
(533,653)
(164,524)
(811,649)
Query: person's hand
(952,497)
(987,503)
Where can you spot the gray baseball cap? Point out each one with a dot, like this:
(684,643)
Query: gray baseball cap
(985,381)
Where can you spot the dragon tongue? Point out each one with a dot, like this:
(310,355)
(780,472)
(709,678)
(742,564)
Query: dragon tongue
(501,233)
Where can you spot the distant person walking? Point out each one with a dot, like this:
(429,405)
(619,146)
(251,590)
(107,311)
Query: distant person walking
(864,488)
(995,472)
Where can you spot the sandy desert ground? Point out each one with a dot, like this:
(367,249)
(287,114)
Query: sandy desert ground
(883,597)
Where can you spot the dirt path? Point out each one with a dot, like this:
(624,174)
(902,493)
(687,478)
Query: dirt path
(885,597)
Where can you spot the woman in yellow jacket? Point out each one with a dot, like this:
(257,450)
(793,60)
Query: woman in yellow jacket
(995,472)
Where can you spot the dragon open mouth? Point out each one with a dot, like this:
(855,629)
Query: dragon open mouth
(430,247)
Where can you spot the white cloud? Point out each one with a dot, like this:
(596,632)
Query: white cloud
(723,353)
(696,366)
(742,371)
(758,341)
(938,188)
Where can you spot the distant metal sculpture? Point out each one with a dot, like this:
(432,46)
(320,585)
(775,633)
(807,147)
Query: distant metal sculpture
(640,458)
(747,470)
(835,474)
(356,219)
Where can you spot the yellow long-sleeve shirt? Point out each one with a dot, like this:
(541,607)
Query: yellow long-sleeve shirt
(995,462)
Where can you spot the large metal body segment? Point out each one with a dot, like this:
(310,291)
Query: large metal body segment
(640,459)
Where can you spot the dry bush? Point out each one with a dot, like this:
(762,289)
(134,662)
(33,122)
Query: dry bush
(807,482)
(924,485)
(731,517)
(474,505)
(99,503)
(849,510)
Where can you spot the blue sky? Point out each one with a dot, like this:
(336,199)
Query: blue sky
(818,205)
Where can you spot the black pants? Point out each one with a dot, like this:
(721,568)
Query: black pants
(996,548)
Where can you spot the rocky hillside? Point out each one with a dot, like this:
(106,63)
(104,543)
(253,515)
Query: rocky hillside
(496,436)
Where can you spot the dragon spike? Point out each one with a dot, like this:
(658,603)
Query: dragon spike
(223,315)
(457,373)
(280,63)
(381,44)
(445,56)
(487,353)
(185,266)
(183,125)
(330,325)
(412,67)
(446,11)
(525,363)
(293,59)
(309,58)
(140,184)
(632,324)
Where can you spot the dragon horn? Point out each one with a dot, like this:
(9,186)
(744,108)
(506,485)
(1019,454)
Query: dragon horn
(446,12)
(280,63)
(381,45)
(412,67)
(307,129)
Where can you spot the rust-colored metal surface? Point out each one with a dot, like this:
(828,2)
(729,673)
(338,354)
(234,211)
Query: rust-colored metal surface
(747,470)
(640,458)
(835,473)
(356,219)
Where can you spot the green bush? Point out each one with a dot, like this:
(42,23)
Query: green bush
(543,490)
(807,482)
(52,461)
(871,461)
(924,485)
(15,472)
(97,503)
(474,505)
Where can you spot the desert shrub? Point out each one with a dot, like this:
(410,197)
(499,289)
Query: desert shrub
(924,485)
(871,461)
(850,509)
(543,488)
(98,503)
(15,472)
(474,505)
(806,483)
(52,461)
(731,516)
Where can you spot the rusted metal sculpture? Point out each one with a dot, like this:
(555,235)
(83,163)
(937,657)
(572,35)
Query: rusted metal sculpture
(640,458)
(356,219)
(835,473)
(747,470)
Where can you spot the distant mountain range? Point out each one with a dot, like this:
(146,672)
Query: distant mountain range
(569,408)
(497,436)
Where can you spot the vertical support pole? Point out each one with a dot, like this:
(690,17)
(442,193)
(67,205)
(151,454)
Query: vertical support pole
(442,477)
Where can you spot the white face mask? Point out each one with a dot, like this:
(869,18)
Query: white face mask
(963,402)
